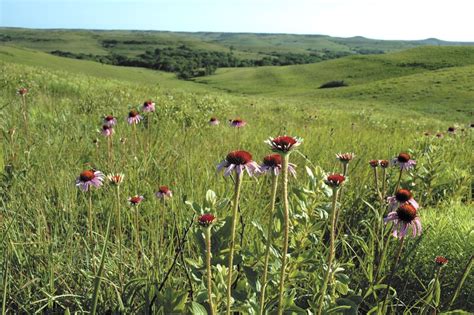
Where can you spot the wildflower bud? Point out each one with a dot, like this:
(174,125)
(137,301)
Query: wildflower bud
(441,261)
(334,180)
(206,220)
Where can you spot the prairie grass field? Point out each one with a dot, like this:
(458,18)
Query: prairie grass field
(68,251)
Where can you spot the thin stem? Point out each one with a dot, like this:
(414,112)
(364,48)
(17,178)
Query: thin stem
(384,182)
(208,267)
(269,242)
(398,181)
(376,179)
(98,277)
(109,149)
(235,214)
(25,116)
(119,230)
(286,215)
(392,273)
(331,250)
(90,215)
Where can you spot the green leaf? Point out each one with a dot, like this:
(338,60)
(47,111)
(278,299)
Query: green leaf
(197,309)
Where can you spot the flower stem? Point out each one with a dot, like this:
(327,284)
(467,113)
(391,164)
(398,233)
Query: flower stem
(384,182)
(90,215)
(208,266)
(238,182)
(119,229)
(284,169)
(331,250)
(376,179)
(25,116)
(392,273)
(269,243)
(398,181)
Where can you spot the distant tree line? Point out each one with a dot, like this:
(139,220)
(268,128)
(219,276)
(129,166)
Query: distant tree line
(188,63)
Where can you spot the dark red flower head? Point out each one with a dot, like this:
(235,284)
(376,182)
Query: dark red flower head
(439,135)
(283,144)
(87,175)
(239,157)
(106,127)
(403,157)
(133,113)
(406,212)
(213,119)
(403,195)
(441,261)
(451,129)
(272,160)
(163,189)
(135,200)
(148,103)
(22,91)
(374,163)
(335,180)
(384,163)
(109,118)
(206,219)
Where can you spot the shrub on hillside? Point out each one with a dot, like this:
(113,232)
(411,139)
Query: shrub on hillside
(333,84)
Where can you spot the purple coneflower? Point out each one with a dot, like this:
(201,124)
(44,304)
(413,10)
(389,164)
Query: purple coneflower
(404,162)
(283,144)
(374,163)
(213,121)
(238,161)
(110,120)
(272,163)
(401,196)
(89,178)
(345,157)
(134,117)
(238,123)
(135,200)
(334,180)
(107,131)
(164,192)
(384,163)
(22,91)
(403,218)
(441,261)
(206,219)
(148,106)
(115,179)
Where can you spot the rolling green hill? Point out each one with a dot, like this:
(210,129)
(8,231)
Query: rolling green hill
(244,45)
(354,70)
(137,75)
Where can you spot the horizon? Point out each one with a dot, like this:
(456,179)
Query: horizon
(217,32)
(338,18)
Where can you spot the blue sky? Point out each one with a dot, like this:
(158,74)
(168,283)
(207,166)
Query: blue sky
(384,19)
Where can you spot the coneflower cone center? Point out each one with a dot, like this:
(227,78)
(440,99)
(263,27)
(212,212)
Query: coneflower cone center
(109,118)
(239,157)
(406,213)
(135,200)
(272,160)
(403,157)
(164,189)
(206,219)
(336,178)
(87,176)
(403,195)
(133,113)
(284,141)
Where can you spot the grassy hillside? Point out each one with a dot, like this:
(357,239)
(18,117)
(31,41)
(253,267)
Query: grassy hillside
(353,70)
(52,264)
(90,68)
(244,45)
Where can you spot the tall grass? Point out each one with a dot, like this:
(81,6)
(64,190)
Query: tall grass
(50,265)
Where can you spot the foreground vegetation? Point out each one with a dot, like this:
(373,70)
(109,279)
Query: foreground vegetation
(156,261)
